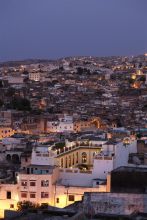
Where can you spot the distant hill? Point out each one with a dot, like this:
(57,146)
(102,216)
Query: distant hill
(24,62)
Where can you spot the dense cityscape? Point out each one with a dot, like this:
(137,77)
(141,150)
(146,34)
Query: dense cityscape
(73,138)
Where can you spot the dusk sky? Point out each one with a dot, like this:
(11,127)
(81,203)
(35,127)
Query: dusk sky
(60,28)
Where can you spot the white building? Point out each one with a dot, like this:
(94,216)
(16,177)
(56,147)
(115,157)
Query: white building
(15,79)
(64,124)
(44,182)
(113,155)
(43,155)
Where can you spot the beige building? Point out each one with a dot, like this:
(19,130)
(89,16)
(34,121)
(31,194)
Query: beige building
(66,195)
(36,184)
(8,197)
(82,125)
(81,153)
(34,76)
(6,132)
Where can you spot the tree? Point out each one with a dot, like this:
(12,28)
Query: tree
(21,104)
(139,135)
(21,206)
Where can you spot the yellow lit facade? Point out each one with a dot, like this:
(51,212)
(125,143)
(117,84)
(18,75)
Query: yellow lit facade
(6,132)
(8,198)
(68,195)
(79,155)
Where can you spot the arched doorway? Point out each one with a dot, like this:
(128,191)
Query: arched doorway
(15,158)
(84,157)
(8,157)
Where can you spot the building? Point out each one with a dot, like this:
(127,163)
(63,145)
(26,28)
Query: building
(63,124)
(37,182)
(135,179)
(114,203)
(77,153)
(35,76)
(6,132)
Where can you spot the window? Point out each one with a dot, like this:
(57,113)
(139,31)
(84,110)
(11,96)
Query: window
(23,194)
(66,162)
(73,160)
(44,183)
(44,195)
(62,162)
(84,157)
(77,157)
(57,200)
(32,195)
(69,161)
(11,206)
(23,183)
(44,205)
(71,198)
(8,194)
(32,183)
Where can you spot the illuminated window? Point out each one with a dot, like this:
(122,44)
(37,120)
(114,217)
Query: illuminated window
(44,183)
(44,195)
(71,198)
(23,183)
(84,157)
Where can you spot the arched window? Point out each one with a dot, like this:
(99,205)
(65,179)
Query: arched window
(66,162)
(69,161)
(84,157)
(77,157)
(62,163)
(8,157)
(73,159)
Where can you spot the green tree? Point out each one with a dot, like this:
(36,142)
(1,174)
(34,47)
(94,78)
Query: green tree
(138,135)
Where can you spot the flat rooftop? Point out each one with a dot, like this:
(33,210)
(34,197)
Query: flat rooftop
(130,169)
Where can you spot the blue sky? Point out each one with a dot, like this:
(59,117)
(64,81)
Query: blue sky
(60,28)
